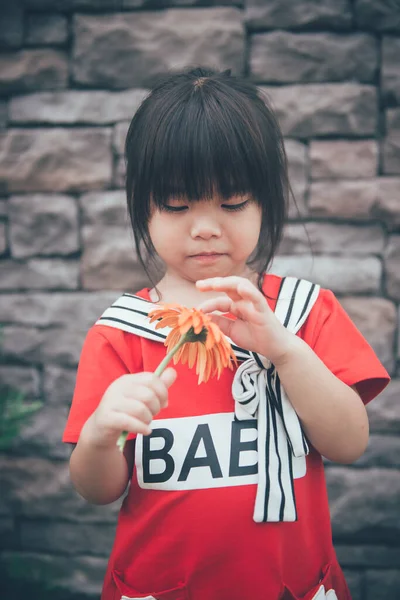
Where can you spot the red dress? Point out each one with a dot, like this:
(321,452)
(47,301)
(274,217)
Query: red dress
(186,528)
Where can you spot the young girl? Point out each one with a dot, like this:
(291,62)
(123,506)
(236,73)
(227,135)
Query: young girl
(227,497)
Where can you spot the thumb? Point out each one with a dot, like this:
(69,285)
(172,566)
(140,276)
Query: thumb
(168,376)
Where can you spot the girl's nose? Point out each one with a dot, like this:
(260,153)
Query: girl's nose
(205,227)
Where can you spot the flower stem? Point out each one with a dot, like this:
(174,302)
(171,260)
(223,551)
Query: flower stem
(164,363)
(160,369)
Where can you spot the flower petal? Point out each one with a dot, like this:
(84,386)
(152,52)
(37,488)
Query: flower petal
(193,353)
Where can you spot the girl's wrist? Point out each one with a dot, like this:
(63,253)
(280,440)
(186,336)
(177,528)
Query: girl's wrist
(90,437)
(293,351)
(289,347)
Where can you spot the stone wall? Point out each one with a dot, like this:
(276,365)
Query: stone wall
(72,72)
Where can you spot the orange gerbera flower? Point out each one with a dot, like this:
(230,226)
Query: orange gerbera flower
(194,339)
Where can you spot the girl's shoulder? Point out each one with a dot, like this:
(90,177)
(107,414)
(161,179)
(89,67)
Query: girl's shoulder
(325,307)
(114,332)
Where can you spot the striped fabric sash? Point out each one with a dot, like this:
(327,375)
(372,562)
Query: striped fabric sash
(257,393)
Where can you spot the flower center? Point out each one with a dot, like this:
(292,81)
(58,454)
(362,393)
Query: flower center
(191,336)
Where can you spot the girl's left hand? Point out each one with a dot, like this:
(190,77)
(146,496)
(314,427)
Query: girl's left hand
(256,327)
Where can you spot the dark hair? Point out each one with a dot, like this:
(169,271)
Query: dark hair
(202,132)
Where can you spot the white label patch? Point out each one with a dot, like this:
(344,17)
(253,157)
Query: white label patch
(138,598)
(207,451)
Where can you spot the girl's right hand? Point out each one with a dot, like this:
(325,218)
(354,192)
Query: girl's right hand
(129,404)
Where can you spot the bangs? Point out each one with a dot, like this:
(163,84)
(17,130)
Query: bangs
(199,154)
(208,145)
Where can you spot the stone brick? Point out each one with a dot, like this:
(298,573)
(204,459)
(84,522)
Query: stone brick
(104,208)
(39,274)
(364,504)
(285,57)
(391,143)
(109,258)
(371,198)
(59,346)
(37,488)
(376,319)
(62,346)
(11,24)
(298,176)
(3,238)
(392,120)
(398,338)
(326,238)
(382,451)
(111,51)
(67,538)
(384,413)
(28,70)
(342,159)
(3,114)
(354,582)
(76,106)
(387,206)
(7,534)
(293,14)
(55,159)
(390,76)
(368,556)
(3,208)
(24,379)
(71,5)
(341,274)
(392,271)
(179,3)
(49,29)
(119,173)
(20,343)
(315,110)
(377,16)
(382,584)
(77,309)
(82,575)
(120,131)
(43,224)
(58,385)
(41,435)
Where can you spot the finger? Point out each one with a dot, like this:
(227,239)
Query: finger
(230,285)
(246,311)
(140,381)
(141,411)
(148,397)
(220,284)
(215,283)
(168,376)
(250,293)
(124,422)
(222,304)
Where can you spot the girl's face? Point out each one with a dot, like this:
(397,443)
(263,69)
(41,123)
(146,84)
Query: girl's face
(207,238)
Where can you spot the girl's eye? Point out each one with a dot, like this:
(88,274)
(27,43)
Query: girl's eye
(233,207)
(169,208)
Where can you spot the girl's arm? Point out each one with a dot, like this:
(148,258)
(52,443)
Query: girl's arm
(99,471)
(332,413)
(100,474)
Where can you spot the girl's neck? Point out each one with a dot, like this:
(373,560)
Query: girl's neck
(174,289)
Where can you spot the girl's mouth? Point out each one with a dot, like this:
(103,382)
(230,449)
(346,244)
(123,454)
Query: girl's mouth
(207,257)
